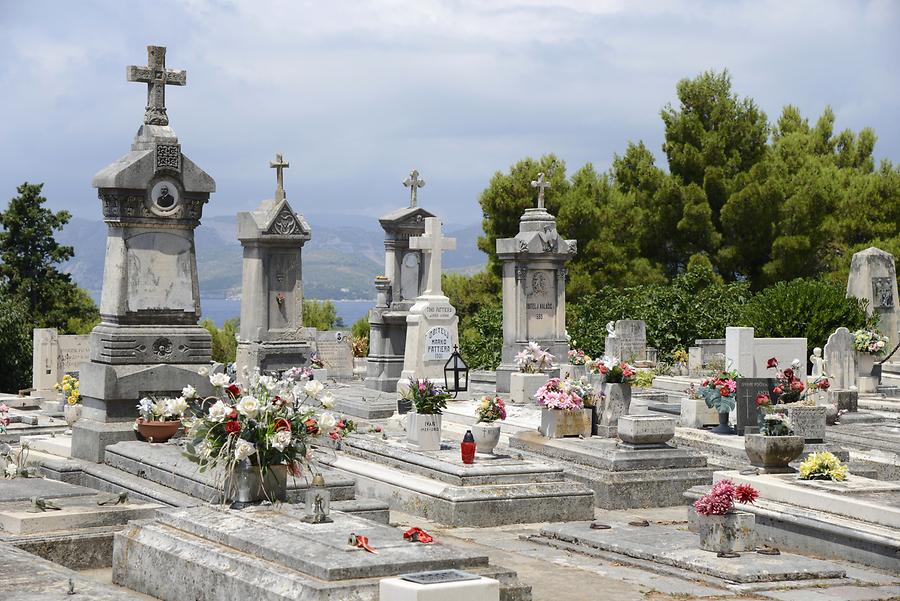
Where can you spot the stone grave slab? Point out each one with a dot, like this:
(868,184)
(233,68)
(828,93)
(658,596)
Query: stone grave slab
(620,477)
(30,423)
(679,549)
(495,490)
(76,513)
(876,445)
(211,552)
(53,444)
(365,403)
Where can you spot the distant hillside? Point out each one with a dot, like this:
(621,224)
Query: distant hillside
(340,261)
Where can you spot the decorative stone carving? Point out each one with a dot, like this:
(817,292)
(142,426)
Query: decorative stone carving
(168,156)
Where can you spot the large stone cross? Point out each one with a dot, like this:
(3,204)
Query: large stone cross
(157,77)
(413,183)
(433,244)
(279,164)
(541,183)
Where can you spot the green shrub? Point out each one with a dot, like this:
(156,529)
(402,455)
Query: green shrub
(481,340)
(224,339)
(321,315)
(803,308)
(15,345)
(360,327)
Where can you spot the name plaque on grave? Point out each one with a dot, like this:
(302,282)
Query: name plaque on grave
(438,344)
(73,351)
(439,312)
(160,280)
(745,397)
(540,303)
(440,577)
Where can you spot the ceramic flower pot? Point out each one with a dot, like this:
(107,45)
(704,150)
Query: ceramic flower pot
(246,484)
(557,423)
(615,405)
(158,431)
(733,532)
(772,454)
(487,436)
(423,431)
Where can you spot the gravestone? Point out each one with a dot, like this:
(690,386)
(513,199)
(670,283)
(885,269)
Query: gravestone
(432,322)
(148,342)
(334,349)
(746,412)
(749,355)
(534,287)
(840,360)
(272,337)
(629,342)
(55,355)
(873,277)
(397,290)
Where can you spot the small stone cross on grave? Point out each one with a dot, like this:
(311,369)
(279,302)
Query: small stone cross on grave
(279,165)
(542,184)
(157,77)
(433,244)
(413,183)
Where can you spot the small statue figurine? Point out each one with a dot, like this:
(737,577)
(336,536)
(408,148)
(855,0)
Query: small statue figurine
(611,329)
(818,363)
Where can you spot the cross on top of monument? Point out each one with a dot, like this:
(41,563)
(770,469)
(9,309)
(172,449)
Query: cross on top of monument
(413,183)
(279,164)
(157,77)
(541,183)
(433,244)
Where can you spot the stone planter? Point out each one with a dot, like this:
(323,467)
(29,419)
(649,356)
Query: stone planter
(772,454)
(487,436)
(615,405)
(646,430)
(320,375)
(865,381)
(246,484)
(695,414)
(733,532)
(557,423)
(158,431)
(522,387)
(572,372)
(423,431)
(807,421)
(72,414)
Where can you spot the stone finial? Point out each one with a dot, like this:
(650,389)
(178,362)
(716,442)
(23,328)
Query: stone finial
(413,183)
(279,164)
(157,77)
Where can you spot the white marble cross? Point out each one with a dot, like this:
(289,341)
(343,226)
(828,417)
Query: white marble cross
(413,183)
(157,77)
(279,164)
(433,244)
(541,183)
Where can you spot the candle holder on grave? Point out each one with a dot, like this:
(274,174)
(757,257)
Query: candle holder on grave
(318,502)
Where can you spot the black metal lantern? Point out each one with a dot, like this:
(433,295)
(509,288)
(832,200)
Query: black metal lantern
(457,372)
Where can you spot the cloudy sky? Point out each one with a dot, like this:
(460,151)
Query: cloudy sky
(356,94)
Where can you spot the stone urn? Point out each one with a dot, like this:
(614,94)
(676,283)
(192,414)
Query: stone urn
(522,386)
(247,484)
(157,431)
(487,436)
(807,421)
(423,431)
(732,532)
(615,405)
(557,423)
(772,454)
(71,413)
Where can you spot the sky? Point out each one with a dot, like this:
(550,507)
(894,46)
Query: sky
(357,94)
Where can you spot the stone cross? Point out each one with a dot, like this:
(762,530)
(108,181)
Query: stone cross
(413,183)
(433,244)
(541,183)
(157,77)
(279,164)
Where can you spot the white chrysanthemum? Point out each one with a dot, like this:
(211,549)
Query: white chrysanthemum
(218,411)
(220,380)
(327,400)
(189,392)
(313,389)
(248,406)
(280,440)
(268,382)
(243,449)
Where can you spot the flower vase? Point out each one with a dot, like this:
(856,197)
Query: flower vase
(157,431)
(487,437)
(772,454)
(723,427)
(557,423)
(72,414)
(523,387)
(866,382)
(246,484)
(732,532)
(423,431)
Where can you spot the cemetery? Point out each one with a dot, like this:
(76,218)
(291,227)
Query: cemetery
(589,453)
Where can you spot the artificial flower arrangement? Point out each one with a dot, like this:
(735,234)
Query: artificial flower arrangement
(490,409)
(788,386)
(533,359)
(316,362)
(166,409)
(719,392)
(823,466)
(577,357)
(773,423)
(559,394)
(722,496)
(427,397)
(269,423)
(590,397)
(869,341)
(613,370)
(70,389)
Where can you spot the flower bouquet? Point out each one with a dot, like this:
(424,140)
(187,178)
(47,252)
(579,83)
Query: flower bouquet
(719,394)
(559,394)
(823,466)
(788,386)
(562,410)
(533,359)
(70,387)
(577,357)
(775,446)
(160,419)
(722,529)
(424,424)
(869,341)
(490,409)
(613,370)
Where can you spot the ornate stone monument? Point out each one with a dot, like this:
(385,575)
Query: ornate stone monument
(148,342)
(432,322)
(873,277)
(534,286)
(272,336)
(397,290)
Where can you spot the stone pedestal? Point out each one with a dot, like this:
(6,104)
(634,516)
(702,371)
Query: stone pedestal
(645,431)
(534,290)
(615,405)
(478,589)
(695,414)
(733,532)
(523,387)
(559,423)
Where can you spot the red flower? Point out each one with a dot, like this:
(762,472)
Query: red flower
(762,399)
(233,427)
(282,424)
(744,493)
(778,390)
(334,435)
(312,426)
(789,373)
(294,469)
(796,385)
(824,384)
(724,391)
(773,362)
(603,369)
(705,382)
(233,414)
(233,391)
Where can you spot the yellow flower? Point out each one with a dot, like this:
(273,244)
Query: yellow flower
(823,466)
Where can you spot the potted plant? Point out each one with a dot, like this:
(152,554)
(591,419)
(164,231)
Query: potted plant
(258,435)
(617,377)
(694,412)
(69,387)
(719,394)
(531,361)
(359,346)
(576,367)
(823,466)
(159,419)
(868,344)
(423,428)
(680,359)
(722,529)
(486,431)
(798,401)
(562,410)
(775,446)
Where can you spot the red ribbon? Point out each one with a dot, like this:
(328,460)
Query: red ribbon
(417,535)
